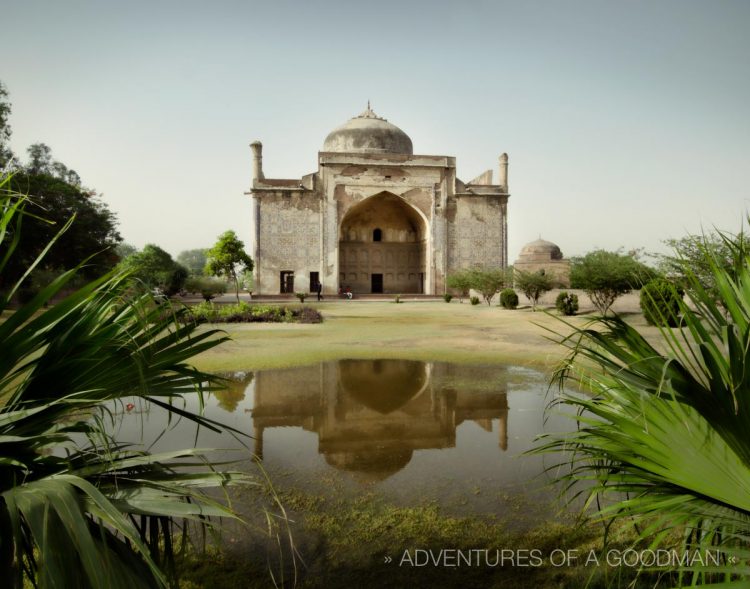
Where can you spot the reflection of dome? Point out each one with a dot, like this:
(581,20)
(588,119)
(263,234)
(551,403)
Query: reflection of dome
(376,464)
(540,251)
(382,385)
(368,133)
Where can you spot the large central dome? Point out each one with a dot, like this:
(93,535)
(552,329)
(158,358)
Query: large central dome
(368,133)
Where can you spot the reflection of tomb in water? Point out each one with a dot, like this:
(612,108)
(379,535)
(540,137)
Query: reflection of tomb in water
(370,415)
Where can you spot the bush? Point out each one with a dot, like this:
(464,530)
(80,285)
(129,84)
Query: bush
(207,286)
(245,313)
(301,296)
(474,300)
(397,298)
(447,297)
(567,303)
(508,299)
(660,303)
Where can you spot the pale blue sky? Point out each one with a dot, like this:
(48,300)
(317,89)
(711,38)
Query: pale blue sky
(625,122)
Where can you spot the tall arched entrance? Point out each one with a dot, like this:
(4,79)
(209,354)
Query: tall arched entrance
(383,247)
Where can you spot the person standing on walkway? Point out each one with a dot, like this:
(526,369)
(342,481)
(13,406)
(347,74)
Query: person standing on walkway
(320,290)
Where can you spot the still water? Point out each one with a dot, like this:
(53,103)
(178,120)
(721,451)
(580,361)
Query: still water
(408,432)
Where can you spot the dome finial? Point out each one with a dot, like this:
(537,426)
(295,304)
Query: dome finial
(369,114)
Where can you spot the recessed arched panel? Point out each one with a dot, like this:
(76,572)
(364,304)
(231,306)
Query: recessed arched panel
(394,236)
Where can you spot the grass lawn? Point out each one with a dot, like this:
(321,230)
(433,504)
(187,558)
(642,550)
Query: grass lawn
(429,331)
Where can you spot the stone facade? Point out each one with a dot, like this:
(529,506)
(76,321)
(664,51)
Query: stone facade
(374,217)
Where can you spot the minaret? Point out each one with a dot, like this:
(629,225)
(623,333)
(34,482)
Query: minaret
(503,180)
(257,149)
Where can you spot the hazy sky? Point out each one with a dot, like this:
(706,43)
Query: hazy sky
(625,122)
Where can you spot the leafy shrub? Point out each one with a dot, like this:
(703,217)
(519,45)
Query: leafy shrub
(474,300)
(246,313)
(447,297)
(397,298)
(207,286)
(301,296)
(660,302)
(567,303)
(508,299)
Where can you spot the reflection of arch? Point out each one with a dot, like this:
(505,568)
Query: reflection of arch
(372,465)
(383,385)
(399,245)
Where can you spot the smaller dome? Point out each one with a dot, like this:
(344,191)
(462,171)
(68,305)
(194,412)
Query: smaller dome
(540,250)
(368,133)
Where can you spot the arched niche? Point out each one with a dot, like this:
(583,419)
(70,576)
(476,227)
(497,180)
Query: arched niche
(384,241)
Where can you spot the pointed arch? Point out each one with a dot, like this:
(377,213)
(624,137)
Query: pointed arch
(397,262)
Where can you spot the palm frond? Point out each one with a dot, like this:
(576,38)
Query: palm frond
(77,508)
(662,434)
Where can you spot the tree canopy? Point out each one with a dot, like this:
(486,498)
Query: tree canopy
(228,258)
(488,282)
(6,155)
(55,195)
(533,285)
(51,204)
(194,260)
(697,256)
(605,276)
(156,269)
(461,282)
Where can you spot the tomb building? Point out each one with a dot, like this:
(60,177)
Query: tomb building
(544,256)
(374,217)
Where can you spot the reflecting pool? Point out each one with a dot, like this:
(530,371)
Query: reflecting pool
(408,432)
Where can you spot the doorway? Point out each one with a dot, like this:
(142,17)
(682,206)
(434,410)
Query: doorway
(377,283)
(286,280)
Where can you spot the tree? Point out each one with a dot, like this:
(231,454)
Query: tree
(488,282)
(247,281)
(533,285)
(41,162)
(696,255)
(40,159)
(52,202)
(662,436)
(607,275)
(156,269)
(6,154)
(194,260)
(101,513)
(123,250)
(228,258)
(460,281)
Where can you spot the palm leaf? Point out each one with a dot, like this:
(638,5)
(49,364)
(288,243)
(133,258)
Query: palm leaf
(77,508)
(663,435)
